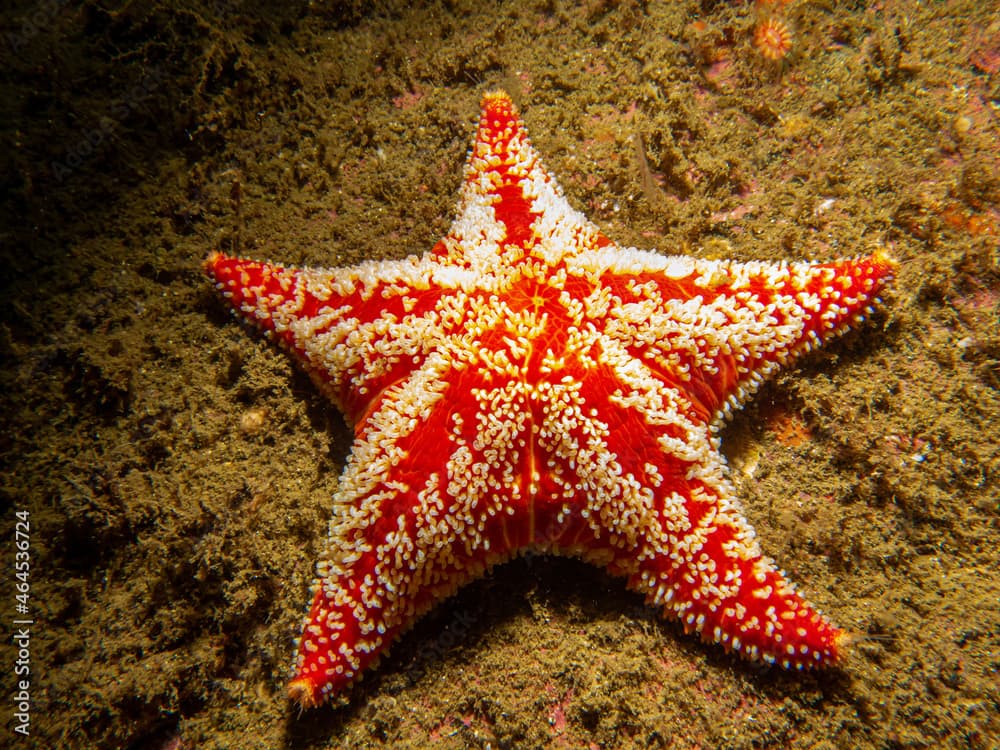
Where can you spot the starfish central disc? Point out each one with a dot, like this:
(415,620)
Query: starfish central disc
(529,385)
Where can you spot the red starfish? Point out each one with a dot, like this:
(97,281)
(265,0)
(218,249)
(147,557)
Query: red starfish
(529,385)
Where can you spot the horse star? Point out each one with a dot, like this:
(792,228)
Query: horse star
(529,385)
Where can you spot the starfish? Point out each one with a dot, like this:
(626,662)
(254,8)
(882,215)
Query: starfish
(529,385)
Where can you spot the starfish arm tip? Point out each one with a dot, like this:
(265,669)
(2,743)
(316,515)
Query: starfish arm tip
(843,641)
(847,639)
(496,98)
(885,259)
(301,690)
(212,260)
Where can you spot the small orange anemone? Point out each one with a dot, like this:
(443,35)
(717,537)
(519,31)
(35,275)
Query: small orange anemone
(772,38)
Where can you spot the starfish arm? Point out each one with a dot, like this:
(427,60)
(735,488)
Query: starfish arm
(661,512)
(701,563)
(432,496)
(723,327)
(703,566)
(356,330)
(511,208)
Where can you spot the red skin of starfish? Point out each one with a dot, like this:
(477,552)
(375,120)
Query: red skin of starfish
(529,385)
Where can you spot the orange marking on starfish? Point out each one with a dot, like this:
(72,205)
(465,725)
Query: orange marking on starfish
(529,385)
